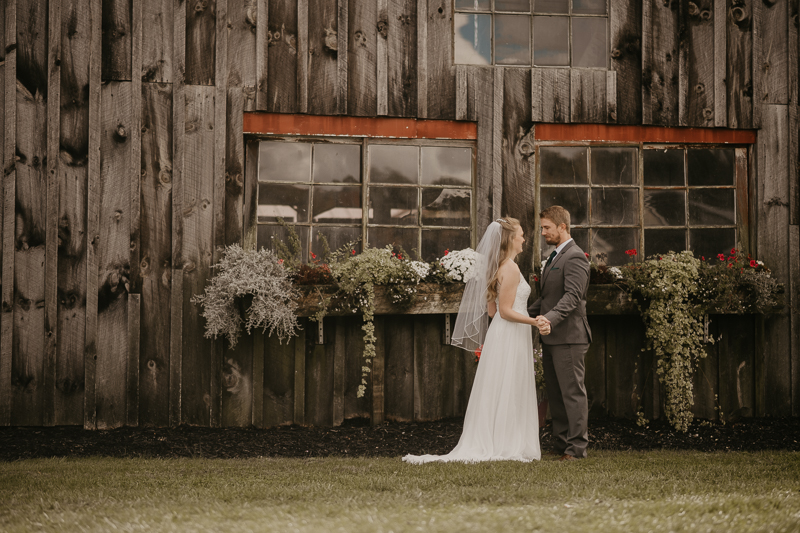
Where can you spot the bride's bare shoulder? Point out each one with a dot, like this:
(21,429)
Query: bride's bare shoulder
(508,267)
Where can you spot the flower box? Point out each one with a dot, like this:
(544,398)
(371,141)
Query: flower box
(431,298)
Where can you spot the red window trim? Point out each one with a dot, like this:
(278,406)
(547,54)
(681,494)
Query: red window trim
(646,134)
(381,127)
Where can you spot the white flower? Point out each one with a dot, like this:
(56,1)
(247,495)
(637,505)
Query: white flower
(544,263)
(460,264)
(616,272)
(421,268)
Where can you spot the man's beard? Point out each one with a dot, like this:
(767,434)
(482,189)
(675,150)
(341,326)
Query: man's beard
(552,241)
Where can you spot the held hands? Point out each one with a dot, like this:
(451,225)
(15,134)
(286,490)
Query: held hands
(543,324)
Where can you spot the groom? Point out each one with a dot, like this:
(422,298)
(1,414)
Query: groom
(564,282)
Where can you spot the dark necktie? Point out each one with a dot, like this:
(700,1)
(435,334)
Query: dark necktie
(550,259)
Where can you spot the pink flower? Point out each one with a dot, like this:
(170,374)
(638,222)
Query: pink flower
(280,261)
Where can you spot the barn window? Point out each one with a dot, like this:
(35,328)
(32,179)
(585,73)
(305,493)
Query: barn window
(415,194)
(653,198)
(547,33)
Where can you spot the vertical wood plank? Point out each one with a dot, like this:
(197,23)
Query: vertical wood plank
(250,208)
(342,38)
(517,158)
(117,40)
(794,291)
(382,58)
(156,252)
(774,40)
(263,34)
(28,279)
(551,95)
(319,377)
(773,244)
(177,262)
(198,243)
(354,407)
(461,92)
(5,370)
(720,64)
(93,217)
(338,371)
(626,59)
(278,379)
(135,195)
(76,38)
(793,51)
(51,221)
(242,28)
(588,96)
(258,380)
(113,249)
(706,377)
(422,58)
(429,380)
(157,43)
(201,46)
(377,376)
(323,24)
(739,71)
(736,367)
(697,51)
(440,73)
(134,324)
(758,62)
(362,62)
(794,164)
(660,63)
(282,60)
(497,143)
(401,43)
(611,97)
(399,369)
(302,56)
(481,89)
(625,374)
(595,362)
(238,380)
(234,166)
(300,378)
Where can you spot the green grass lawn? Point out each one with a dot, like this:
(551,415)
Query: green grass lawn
(610,491)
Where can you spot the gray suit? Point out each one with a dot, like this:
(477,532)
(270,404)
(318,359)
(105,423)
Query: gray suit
(564,284)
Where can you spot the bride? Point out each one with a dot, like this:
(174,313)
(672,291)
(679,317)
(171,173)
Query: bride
(502,421)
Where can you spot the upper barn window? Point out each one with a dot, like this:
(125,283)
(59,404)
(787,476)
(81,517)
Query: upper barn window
(415,194)
(542,33)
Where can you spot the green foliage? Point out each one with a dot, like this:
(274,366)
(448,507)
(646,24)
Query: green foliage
(738,283)
(291,251)
(243,276)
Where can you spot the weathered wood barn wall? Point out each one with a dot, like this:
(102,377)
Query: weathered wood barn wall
(123,171)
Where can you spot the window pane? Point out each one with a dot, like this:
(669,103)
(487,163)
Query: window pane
(551,6)
(551,41)
(614,242)
(473,39)
(523,6)
(406,239)
(711,167)
(389,163)
(393,205)
(445,207)
(337,238)
(708,242)
(512,38)
(337,205)
(565,165)
(268,236)
(436,241)
(446,166)
(663,167)
(574,200)
(589,42)
(614,166)
(661,241)
(473,4)
(589,7)
(618,207)
(284,161)
(337,163)
(665,208)
(287,201)
(709,207)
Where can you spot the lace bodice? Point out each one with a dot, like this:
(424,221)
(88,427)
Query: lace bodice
(521,299)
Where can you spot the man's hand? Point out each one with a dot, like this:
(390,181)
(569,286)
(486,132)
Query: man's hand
(543,324)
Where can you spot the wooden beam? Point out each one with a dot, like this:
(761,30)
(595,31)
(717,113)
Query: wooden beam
(382,53)
(342,33)
(422,58)
(262,53)
(157,43)
(626,59)
(720,64)
(338,371)
(300,378)
(646,134)
(377,379)
(134,345)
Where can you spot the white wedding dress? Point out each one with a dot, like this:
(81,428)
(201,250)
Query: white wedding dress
(502,419)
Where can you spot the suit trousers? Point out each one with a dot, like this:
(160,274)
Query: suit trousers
(564,371)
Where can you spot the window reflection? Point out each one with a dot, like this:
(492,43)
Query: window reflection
(473,39)
(337,238)
(613,242)
(444,165)
(589,42)
(573,199)
(662,241)
(551,41)
(512,37)
(436,241)
(289,202)
(336,205)
(711,207)
(473,4)
(565,165)
(665,208)
(337,163)
(390,163)
(268,237)
(551,6)
(282,161)
(589,7)
(406,239)
(708,242)
(663,167)
(614,166)
(393,205)
(446,207)
(619,207)
(523,6)
(711,167)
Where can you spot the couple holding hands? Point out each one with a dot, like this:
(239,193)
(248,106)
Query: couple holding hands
(502,422)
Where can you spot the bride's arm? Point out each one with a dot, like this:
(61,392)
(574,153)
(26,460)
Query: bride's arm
(491,308)
(508,282)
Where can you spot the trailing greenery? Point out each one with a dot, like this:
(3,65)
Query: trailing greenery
(656,491)
(254,276)
(675,292)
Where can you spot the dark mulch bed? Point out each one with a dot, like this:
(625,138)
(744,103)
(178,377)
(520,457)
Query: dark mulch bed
(357,438)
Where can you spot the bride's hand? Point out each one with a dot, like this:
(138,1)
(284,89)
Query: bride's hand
(544,330)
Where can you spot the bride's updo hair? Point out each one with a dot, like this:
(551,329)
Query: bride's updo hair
(510,226)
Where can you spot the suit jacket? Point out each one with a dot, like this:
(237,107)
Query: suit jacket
(564,283)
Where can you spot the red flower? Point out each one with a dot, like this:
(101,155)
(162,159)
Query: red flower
(478,353)
(753,263)
(353,252)
(702,258)
(631,252)
(280,261)
(586,254)
(313,255)
(399,256)
(721,257)
(733,251)
(730,265)
(446,252)
(535,278)
(659,259)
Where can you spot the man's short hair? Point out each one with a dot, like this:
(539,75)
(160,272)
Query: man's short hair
(557,214)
